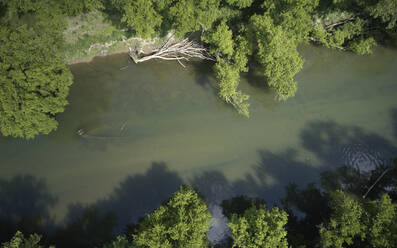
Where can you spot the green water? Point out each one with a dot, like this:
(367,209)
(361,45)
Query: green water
(152,126)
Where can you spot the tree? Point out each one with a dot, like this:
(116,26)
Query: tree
(193,15)
(75,7)
(278,55)
(382,222)
(221,40)
(142,17)
(385,10)
(228,77)
(120,242)
(345,223)
(363,45)
(181,222)
(241,4)
(355,223)
(34,77)
(19,241)
(259,228)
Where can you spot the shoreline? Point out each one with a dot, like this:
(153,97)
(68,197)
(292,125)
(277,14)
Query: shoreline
(89,59)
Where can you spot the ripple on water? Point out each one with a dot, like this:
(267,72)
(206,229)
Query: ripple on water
(362,157)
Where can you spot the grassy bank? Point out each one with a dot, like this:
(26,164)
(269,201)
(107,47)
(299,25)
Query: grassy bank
(96,34)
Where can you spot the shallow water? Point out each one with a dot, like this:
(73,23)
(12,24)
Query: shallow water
(153,126)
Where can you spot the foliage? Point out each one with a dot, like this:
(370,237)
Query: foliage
(35,79)
(193,15)
(382,223)
(120,242)
(221,40)
(75,7)
(228,78)
(363,46)
(368,223)
(259,228)
(181,222)
(345,223)
(240,3)
(385,10)
(277,53)
(141,15)
(19,241)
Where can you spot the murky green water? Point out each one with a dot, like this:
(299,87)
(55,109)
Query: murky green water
(152,126)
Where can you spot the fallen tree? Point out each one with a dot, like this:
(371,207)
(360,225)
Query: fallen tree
(172,49)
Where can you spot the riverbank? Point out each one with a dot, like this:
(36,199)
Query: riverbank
(94,34)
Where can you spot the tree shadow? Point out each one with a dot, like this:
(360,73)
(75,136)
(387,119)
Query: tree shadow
(277,170)
(337,145)
(394,122)
(203,74)
(213,185)
(25,202)
(137,195)
(85,227)
(256,79)
(271,175)
(89,100)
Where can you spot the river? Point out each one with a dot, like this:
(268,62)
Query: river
(153,126)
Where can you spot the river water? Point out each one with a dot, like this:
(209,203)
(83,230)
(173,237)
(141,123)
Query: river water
(153,126)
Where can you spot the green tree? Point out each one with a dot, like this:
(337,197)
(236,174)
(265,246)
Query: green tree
(142,17)
(75,7)
(193,15)
(385,10)
(360,224)
(382,222)
(120,242)
(221,40)
(181,222)
(278,55)
(363,45)
(34,77)
(240,3)
(19,241)
(345,223)
(259,228)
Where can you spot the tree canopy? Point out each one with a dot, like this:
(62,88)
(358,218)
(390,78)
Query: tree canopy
(20,241)
(259,228)
(238,34)
(34,77)
(181,222)
(368,223)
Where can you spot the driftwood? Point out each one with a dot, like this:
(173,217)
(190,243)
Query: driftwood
(172,50)
(83,134)
(377,180)
(329,26)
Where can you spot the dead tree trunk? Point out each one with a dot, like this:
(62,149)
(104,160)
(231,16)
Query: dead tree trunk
(173,50)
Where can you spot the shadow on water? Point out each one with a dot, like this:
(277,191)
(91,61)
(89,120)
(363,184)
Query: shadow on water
(203,74)
(24,205)
(336,145)
(140,194)
(85,227)
(24,199)
(271,174)
(333,145)
(394,122)
(136,196)
(89,101)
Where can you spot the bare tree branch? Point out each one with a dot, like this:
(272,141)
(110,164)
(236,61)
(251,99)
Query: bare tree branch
(173,49)
(377,180)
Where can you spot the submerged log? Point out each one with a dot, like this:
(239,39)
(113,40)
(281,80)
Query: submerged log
(173,50)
